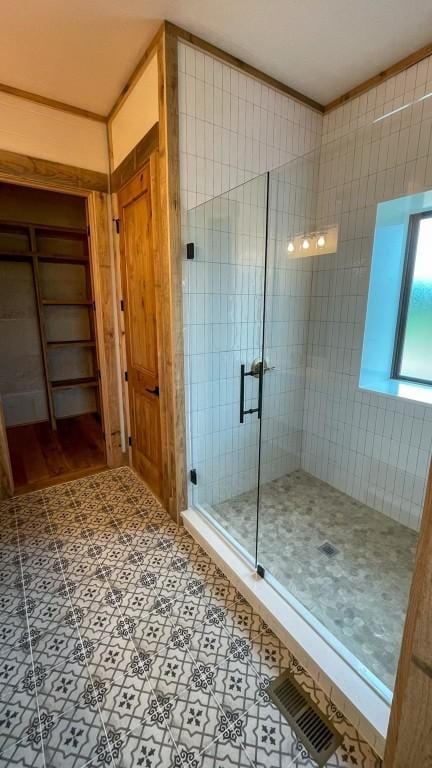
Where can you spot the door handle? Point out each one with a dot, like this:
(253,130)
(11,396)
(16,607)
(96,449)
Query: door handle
(243,413)
(154,391)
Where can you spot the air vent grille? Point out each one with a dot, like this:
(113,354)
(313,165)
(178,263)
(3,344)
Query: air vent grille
(312,727)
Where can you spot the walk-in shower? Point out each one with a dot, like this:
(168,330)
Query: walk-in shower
(316,478)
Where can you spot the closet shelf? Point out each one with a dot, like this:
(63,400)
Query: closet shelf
(73,383)
(8,225)
(64,303)
(72,343)
(54,258)
(62,258)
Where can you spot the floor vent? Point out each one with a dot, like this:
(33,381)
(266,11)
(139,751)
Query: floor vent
(312,728)
(328,549)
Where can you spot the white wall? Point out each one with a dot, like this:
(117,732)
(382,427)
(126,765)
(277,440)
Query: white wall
(375,448)
(232,127)
(39,131)
(138,113)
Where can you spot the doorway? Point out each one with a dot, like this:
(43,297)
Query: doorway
(138,252)
(49,374)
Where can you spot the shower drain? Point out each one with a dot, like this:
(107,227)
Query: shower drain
(328,549)
(313,729)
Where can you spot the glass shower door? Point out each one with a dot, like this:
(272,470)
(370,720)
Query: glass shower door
(223,318)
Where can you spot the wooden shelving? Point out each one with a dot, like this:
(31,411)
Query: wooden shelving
(73,383)
(55,258)
(66,303)
(71,344)
(33,242)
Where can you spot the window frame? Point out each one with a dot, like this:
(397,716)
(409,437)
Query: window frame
(405,295)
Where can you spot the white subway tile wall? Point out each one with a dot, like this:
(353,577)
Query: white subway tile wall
(232,127)
(374,447)
(224,290)
(292,210)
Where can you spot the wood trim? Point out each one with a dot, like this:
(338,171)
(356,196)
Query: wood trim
(102,270)
(136,74)
(171,265)
(66,478)
(179,33)
(6,476)
(35,169)
(381,77)
(135,159)
(42,335)
(409,737)
(53,103)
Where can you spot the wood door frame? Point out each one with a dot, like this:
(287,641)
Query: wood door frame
(411,714)
(162,144)
(102,271)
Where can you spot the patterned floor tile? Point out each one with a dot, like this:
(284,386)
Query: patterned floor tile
(17,708)
(149,746)
(74,739)
(269,740)
(124,645)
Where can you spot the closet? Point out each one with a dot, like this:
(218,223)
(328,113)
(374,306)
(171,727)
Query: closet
(49,373)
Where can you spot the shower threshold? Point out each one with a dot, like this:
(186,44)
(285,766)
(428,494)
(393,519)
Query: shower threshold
(354,690)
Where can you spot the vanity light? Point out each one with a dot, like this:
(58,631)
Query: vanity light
(320,241)
(290,246)
(305,244)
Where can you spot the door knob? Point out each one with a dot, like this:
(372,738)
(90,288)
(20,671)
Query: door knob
(154,391)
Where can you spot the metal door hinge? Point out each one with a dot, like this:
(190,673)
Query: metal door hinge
(193,477)
(88,230)
(260,570)
(117,225)
(98,374)
(94,306)
(122,305)
(126,376)
(130,440)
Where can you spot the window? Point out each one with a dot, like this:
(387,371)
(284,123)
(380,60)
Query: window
(412,358)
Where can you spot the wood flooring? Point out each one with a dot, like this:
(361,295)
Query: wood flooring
(41,456)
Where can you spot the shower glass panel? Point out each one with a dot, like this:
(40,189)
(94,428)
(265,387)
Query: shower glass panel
(224,300)
(302,454)
(330,520)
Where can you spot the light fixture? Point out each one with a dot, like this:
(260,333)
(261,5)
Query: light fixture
(320,241)
(290,246)
(305,244)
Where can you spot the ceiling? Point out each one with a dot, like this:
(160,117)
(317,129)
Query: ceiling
(82,52)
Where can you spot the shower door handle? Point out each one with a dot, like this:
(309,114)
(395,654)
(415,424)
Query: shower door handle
(243,375)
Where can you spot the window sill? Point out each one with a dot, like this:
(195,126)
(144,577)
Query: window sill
(406,390)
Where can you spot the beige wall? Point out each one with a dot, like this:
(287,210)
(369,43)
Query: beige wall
(34,129)
(138,113)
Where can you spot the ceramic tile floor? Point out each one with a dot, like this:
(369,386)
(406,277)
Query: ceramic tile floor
(122,644)
(361,593)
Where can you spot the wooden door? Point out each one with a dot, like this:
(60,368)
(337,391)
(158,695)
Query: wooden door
(137,248)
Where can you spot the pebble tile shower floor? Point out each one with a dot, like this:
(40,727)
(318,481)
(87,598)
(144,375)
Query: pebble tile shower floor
(123,645)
